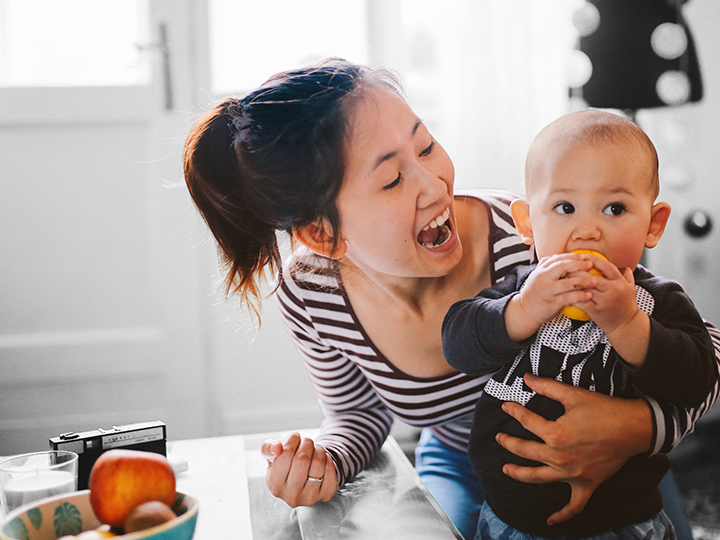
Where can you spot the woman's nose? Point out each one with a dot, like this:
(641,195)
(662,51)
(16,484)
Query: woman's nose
(431,188)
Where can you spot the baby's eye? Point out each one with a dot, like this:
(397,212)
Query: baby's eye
(564,208)
(614,209)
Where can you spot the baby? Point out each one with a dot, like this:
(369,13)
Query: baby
(591,181)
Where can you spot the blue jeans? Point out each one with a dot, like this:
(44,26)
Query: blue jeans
(451,480)
(490,527)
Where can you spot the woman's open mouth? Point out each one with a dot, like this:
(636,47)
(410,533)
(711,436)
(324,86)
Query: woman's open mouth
(437,232)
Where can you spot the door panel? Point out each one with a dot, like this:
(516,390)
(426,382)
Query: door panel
(99,318)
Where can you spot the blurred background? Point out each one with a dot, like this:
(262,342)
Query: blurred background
(109,308)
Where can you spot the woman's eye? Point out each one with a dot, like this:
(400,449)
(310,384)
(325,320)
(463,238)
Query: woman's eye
(564,208)
(394,182)
(427,151)
(614,209)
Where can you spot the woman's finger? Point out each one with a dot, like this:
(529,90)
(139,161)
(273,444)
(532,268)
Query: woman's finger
(532,475)
(299,470)
(531,421)
(316,471)
(289,447)
(556,390)
(523,448)
(578,499)
(270,449)
(330,482)
(536,451)
(279,469)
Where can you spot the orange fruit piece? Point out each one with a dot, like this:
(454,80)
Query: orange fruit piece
(571,311)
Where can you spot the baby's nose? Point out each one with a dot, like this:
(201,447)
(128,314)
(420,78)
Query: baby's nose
(587,229)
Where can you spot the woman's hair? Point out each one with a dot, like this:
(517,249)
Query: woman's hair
(274,160)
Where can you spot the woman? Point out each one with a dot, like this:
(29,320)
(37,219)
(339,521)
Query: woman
(333,155)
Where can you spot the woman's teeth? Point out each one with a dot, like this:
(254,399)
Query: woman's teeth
(437,232)
(438,220)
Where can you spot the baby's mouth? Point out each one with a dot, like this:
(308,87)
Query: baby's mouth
(437,232)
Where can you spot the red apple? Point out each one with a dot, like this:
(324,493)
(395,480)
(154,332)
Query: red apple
(122,479)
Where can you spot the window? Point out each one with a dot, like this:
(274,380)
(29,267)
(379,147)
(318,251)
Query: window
(484,76)
(73,43)
(250,41)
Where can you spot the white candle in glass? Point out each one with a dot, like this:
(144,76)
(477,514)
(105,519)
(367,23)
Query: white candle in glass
(27,488)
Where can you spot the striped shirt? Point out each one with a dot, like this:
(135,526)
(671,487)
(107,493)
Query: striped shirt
(360,391)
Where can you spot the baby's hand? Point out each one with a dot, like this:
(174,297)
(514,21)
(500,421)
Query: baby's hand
(613,302)
(558,281)
(614,309)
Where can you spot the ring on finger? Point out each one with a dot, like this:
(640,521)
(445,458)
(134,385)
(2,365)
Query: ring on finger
(313,479)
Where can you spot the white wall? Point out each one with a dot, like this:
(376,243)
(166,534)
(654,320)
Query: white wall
(258,381)
(253,380)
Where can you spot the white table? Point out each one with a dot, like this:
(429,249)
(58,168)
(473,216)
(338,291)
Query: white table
(227,476)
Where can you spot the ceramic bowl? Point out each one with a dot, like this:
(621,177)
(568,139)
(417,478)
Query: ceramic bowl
(71,514)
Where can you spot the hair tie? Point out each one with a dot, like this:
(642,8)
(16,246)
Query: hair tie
(239,120)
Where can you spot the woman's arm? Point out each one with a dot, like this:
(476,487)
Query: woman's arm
(680,366)
(356,422)
(672,423)
(584,457)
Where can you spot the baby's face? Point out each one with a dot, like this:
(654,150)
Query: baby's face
(596,197)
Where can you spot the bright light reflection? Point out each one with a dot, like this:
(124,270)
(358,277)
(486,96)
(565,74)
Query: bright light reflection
(72,43)
(249,41)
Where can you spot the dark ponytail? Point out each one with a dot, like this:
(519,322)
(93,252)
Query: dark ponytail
(246,246)
(272,161)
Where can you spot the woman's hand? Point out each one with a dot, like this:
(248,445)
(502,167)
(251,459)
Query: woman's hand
(300,471)
(584,447)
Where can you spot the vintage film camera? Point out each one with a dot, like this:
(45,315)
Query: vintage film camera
(88,445)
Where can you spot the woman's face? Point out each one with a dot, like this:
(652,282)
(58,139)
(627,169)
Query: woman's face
(396,204)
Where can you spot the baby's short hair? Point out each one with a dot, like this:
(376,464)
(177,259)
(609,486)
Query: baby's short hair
(598,127)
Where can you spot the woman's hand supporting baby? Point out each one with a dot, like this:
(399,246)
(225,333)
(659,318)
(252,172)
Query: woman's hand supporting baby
(583,447)
(300,471)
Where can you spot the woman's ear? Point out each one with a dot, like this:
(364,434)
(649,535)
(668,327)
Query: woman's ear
(318,238)
(520,210)
(658,219)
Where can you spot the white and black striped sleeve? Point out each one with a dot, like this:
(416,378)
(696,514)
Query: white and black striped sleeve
(670,423)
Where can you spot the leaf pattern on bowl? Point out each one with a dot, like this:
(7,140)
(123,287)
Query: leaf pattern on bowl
(179,505)
(67,520)
(17,529)
(35,517)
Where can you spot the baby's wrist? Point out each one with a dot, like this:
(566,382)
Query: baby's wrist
(519,320)
(631,339)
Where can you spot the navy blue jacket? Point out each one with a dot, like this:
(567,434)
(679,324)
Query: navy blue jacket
(679,368)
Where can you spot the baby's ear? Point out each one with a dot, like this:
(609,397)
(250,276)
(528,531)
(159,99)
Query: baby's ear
(520,210)
(318,238)
(658,219)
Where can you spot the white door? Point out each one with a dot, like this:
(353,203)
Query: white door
(100,322)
